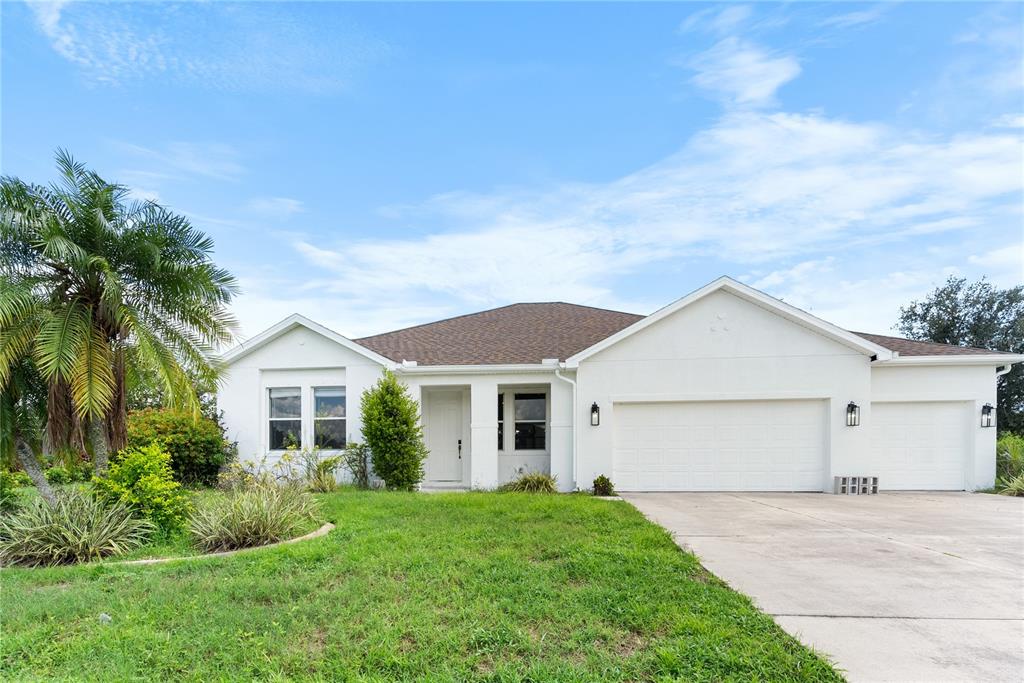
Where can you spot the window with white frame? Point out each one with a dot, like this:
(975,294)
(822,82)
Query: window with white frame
(329,417)
(531,417)
(285,418)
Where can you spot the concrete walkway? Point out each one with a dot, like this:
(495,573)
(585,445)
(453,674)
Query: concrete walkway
(893,587)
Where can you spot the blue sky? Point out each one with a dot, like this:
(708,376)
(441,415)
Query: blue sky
(376,165)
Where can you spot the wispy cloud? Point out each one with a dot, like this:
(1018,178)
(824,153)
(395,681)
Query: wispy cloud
(717,19)
(754,189)
(178,160)
(743,74)
(277,208)
(224,46)
(854,19)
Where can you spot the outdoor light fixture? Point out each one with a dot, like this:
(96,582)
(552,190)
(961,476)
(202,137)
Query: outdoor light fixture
(595,415)
(852,414)
(988,416)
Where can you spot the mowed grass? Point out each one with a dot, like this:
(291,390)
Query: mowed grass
(444,587)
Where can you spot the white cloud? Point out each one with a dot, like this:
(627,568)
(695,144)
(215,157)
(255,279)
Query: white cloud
(742,74)
(1003,265)
(277,208)
(212,45)
(715,20)
(854,19)
(179,160)
(753,190)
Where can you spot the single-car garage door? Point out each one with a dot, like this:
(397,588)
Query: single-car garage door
(720,446)
(919,446)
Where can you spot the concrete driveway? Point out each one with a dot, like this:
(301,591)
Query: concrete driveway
(893,587)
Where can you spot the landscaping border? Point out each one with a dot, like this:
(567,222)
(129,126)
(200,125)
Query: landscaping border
(322,531)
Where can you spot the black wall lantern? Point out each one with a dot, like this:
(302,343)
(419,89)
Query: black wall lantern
(595,415)
(988,416)
(852,414)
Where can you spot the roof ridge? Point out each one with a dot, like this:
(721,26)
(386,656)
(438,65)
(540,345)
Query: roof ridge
(489,310)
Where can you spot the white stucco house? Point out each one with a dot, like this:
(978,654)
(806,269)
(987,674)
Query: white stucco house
(725,389)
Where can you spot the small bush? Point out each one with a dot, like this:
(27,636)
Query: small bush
(531,482)
(197,447)
(252,516)
(141,479)
(1009,456)
(17,478)
(1011,487)
(78,528)
(392,431)
(356,459)
(58,476)
(603,486)
(8,491)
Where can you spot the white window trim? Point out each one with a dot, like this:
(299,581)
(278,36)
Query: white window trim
(510,392)
(269,419)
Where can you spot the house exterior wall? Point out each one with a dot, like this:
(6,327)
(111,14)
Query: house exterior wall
(721,348)
(298,358)
(972,384)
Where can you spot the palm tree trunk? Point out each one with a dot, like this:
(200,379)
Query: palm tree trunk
(31,465)
(118,417)
(100,448)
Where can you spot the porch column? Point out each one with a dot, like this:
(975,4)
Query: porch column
(483,462)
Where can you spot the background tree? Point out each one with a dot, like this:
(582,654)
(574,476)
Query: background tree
(391,429)
(22,415)
(975,314)
(102,293)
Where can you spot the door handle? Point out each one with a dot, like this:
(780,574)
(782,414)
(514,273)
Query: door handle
(460,449)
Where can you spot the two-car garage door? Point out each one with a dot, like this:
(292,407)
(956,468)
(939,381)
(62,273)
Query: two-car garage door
(776,445)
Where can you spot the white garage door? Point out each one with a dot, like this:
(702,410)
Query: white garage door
(922,446)
(720,446)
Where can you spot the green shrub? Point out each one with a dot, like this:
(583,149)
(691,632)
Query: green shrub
(197,447)
(8,491)
(18,479)
(78,528)
(531,482)
(356,459)
(603,486)
(1009,456)
(58,476)
(251,516)
(141,479)
(392,431)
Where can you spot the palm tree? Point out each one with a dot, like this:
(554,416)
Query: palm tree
(101,291)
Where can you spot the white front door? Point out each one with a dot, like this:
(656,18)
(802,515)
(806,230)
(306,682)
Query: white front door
(442,431)
(720,446)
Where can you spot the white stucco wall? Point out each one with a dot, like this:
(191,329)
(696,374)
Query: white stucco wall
(298,358)
(722,347)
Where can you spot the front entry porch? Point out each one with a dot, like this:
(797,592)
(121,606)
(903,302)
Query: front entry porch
(487,432)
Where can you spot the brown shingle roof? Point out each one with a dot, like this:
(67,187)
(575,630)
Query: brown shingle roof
(528,333)
(520,333)
(909,347)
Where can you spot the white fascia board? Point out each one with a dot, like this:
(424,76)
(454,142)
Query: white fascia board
(290,323)
(476,369)
(752,295)
(994,359)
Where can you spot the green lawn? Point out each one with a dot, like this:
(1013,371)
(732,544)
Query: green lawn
(477,586)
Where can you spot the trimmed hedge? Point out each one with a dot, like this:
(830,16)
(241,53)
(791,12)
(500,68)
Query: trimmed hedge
(197,447)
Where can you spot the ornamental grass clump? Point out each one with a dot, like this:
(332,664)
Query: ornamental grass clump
(532,482)
(251,516)
(78,527)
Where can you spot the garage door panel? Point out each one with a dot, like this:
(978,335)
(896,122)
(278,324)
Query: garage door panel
(919,445)
(720,446)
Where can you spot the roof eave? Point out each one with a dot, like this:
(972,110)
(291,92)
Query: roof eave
(993,359)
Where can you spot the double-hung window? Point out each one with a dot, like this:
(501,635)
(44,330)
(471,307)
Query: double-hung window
(285,418)
(531,416)
(329,417)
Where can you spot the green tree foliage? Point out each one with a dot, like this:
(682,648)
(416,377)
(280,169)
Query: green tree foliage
(392,431)
(976,314)
(104,293)
(197,448)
